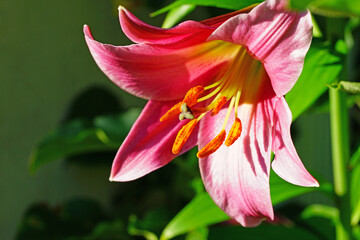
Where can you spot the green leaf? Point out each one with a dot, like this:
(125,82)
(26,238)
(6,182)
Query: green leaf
(319,210)
(264,231)
(355,216)
(202,211)
(198,234)
(118,126)
(104,133)
(320,69)
(282,190)
(108,231)
(322,224)
(135,231)
(322,219)
(330,8)
(355,158)
(227,4)
(356,232)
(316,29)
(341,47)
(176,14)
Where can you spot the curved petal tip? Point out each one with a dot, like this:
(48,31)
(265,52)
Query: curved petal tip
(87,32)
(287,163)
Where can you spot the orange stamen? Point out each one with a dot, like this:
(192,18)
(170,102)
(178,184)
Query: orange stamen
(219,103)
(183,135)
(175,110)
(191,96)
(234,133)
(213,145)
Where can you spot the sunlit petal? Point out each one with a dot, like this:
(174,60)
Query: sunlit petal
(287,163)
(237,177)
(277,37)
(158,73)
(185,34)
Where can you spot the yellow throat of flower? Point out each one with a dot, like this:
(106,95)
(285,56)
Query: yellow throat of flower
(226,88)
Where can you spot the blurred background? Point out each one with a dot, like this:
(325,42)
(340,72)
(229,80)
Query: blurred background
(51,90)
(45,66)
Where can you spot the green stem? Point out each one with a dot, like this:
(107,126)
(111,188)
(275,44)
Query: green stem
(340,153)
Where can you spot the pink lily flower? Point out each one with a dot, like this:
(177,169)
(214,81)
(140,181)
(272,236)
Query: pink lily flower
(218,84)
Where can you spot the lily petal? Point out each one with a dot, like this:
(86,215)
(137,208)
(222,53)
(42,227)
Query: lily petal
(287,163)
(189,32)
(217,21)
(237,177)
(149,143)
(275,36)
(186,34)
(159,73)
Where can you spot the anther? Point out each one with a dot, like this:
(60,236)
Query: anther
(175,110)
(183,135)
(219,103)
(213,145)
(234,133)
(192,95)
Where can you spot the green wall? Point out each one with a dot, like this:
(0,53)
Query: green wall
(44,64)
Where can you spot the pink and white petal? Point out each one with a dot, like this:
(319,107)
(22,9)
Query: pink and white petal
(277,37)
(237,177)
(287,163)
(157,73)
(187,33)
(149,143)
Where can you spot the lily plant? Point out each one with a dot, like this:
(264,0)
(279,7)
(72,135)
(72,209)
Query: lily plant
(218,84)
